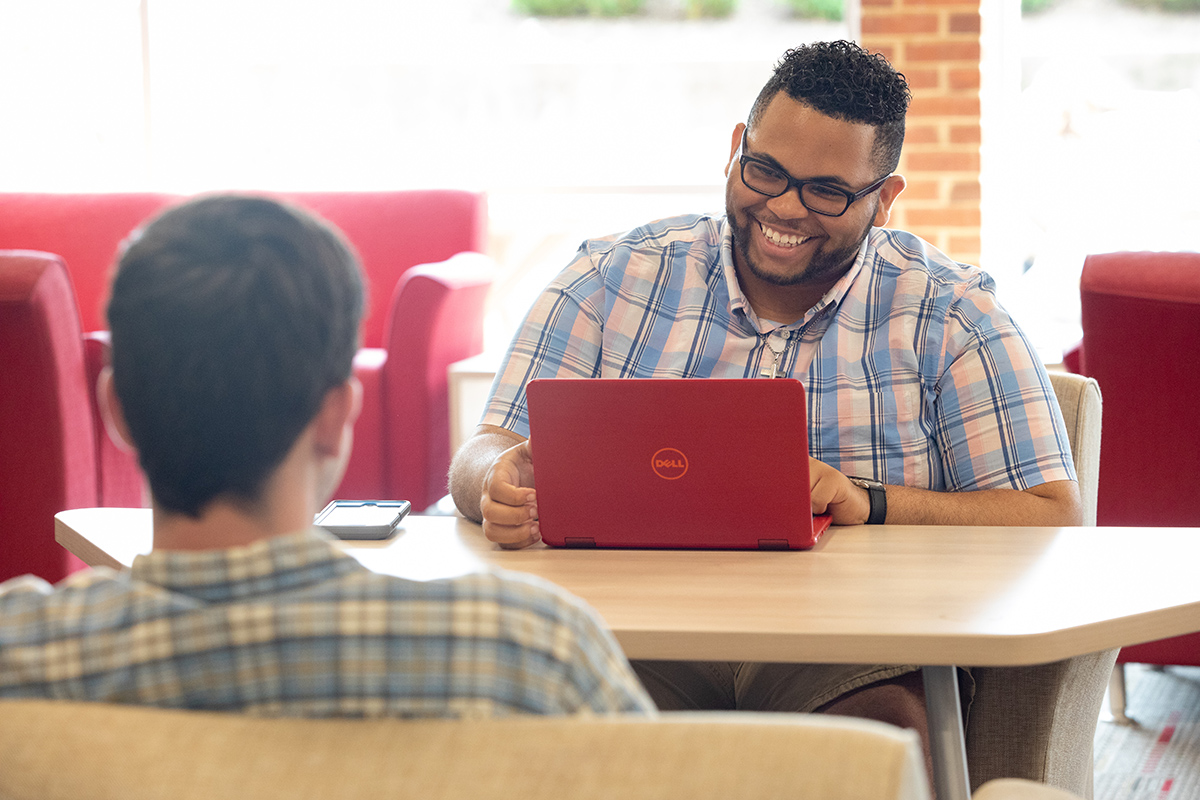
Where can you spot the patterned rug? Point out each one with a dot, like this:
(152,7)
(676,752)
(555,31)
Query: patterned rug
(1158,756)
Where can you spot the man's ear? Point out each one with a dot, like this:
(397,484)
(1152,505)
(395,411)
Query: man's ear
(888,193)
(111,411)
(733,146)
(338,413)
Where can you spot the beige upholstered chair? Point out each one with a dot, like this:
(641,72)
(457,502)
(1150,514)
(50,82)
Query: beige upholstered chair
(1038,722)
(52,750)
(60,750)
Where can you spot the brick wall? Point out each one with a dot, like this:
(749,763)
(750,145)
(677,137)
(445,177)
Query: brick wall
(935,43)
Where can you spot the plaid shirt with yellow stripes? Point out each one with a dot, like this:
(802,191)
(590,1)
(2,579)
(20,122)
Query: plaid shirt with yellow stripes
(293,626)
(914,374)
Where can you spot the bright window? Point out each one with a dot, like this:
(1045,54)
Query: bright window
(1098,151)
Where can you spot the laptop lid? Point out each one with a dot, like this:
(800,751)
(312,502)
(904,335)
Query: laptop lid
(672,463)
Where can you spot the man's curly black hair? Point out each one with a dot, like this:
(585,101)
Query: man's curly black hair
(844,81)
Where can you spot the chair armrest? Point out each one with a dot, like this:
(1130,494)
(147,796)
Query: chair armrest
(1038,722)
(1082,408)
(435,319)
(47,462)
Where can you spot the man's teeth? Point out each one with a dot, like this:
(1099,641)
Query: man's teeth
(786,239)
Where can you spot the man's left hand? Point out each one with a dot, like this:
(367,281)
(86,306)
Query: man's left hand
(834,494)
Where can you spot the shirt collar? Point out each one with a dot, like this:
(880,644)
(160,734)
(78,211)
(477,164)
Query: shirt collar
(265,567)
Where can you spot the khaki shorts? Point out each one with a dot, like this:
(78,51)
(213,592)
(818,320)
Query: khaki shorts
(731,686)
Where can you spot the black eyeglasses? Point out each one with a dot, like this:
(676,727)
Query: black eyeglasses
(817,197)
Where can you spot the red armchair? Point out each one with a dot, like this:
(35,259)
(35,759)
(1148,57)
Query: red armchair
(1141,326)
(416,325)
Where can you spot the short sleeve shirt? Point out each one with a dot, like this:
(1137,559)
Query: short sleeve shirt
(914,373)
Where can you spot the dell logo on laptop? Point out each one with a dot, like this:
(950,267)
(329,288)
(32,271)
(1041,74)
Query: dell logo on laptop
(669,464)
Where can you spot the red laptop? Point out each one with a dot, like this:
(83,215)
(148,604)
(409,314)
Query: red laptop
(672,463)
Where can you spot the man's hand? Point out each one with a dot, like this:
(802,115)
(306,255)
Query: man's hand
(508,503)
(834,494)
(491,478)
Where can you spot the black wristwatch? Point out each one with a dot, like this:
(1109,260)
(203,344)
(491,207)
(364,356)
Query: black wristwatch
(878,495)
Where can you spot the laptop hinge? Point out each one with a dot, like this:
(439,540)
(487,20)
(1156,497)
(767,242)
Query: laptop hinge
(773,544)
(579,541)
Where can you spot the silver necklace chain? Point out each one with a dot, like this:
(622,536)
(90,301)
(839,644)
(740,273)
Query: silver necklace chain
(777,355)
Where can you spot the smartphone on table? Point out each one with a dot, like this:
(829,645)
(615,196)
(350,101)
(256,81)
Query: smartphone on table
(362,519)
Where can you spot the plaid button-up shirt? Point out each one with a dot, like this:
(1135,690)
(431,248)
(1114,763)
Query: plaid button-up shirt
(294,626)
(914,373)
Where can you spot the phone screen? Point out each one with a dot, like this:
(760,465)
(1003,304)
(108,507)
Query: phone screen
(351,515)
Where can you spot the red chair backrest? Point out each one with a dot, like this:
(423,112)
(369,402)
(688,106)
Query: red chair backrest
(1141,331)
(85,229)
(394,231)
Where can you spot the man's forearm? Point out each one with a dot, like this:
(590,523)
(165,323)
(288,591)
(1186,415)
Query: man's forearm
(1050,504)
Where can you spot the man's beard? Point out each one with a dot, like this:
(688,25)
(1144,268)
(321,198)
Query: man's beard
(824,268)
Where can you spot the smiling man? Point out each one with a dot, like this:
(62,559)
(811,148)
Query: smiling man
(927,405)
